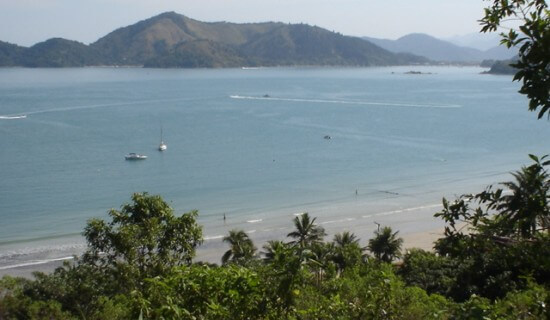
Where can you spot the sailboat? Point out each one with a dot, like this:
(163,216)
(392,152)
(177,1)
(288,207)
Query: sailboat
(162,145)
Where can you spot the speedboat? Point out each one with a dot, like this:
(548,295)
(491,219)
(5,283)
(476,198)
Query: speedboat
(134,156)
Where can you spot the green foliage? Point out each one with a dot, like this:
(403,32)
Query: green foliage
(385,246)
(533,39)
(526,209)
(14,305)
(283,272)
(532,303)
(307,232)
(201,292)
(498,239)
(242,249)
(144,239)
(372,291)
(426,270)
(346,251)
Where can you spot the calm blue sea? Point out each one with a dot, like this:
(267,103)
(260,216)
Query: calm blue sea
(250,144)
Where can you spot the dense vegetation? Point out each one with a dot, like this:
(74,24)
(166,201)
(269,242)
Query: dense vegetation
(492,263)
(170,40)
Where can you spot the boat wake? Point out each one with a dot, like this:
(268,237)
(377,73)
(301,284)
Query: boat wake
(94,106)
(351,102)
(13,117)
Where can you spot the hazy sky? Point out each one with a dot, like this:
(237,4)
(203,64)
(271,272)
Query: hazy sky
(26,22)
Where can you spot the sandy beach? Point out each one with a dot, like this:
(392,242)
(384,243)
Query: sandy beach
(416,226)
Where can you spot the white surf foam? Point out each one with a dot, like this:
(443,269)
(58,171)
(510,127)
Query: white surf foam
(254,221)
(213,237)
(387,213)
(337,221)
(352,102)
(34,263)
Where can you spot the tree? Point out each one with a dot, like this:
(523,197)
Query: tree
(276,250)
(533,39)
(307,232)
(283,271)
(143,239)
(345,238)
(431,272)
(202,292)
(241,249)
(385,246)
(522,211)
(527,208)
(347,251)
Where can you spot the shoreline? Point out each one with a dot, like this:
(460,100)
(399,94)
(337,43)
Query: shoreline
(421,240)
(212,250)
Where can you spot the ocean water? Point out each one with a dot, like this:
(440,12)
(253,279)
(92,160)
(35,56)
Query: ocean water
(250,144)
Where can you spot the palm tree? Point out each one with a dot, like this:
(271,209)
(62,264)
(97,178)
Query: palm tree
(345,238)
(527,206)
(347,251)
(241,247)
(275,251)
(385,246)
(306,233)
(285,265)
(318,258)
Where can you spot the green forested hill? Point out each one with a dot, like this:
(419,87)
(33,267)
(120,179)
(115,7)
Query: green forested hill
(58,52)
(173,40)
(9,54)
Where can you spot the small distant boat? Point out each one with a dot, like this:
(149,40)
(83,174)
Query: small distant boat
(162,145)
(134,156)
(327,137)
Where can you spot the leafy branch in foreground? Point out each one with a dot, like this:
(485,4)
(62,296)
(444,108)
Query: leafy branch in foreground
(533,39)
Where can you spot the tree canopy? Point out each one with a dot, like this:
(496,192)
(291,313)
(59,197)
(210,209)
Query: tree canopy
(143,239)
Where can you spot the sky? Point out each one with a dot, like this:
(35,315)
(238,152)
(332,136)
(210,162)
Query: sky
(26,22)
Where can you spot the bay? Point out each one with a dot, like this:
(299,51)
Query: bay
(250,144)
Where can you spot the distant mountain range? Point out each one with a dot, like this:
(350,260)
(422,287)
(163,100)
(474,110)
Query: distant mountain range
(173,40)
(476,40)
(440,50)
